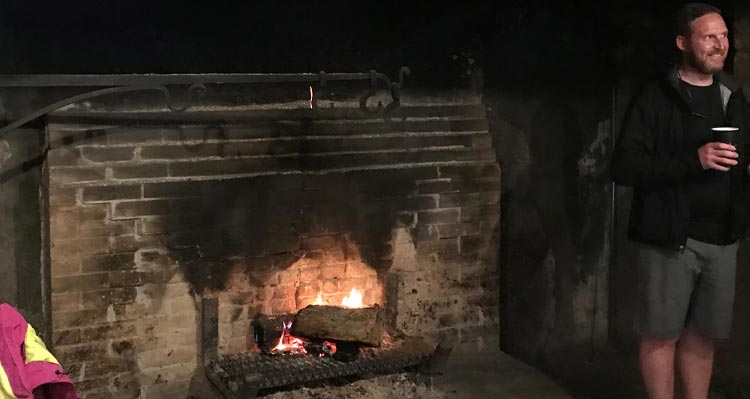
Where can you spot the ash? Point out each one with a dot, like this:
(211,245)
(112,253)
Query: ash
(402,386)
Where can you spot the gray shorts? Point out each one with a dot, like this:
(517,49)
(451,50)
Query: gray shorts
(690,288)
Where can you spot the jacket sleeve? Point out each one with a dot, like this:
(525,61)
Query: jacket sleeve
(637,161)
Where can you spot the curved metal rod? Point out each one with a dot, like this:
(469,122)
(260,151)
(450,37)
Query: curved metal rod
(374,77)
(394,87)
(396,93)
(195,89)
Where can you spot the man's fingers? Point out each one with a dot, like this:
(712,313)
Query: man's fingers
(718,156)
(724,146)
(716,166)
(724,161)
(726,154)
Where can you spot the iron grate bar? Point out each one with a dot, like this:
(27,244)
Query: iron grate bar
(229,372)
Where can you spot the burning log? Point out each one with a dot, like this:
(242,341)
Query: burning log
(363,325)
(268,329)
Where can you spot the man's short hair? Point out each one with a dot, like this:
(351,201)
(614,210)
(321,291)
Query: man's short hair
(689,13)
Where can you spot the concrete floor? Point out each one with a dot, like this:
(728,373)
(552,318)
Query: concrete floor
(493,374)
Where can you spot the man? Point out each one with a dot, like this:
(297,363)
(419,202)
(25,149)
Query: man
(689,205)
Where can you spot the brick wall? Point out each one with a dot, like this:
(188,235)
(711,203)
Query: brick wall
(264,212)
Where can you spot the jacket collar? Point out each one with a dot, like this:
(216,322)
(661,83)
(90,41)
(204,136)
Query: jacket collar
(727,84)
(724,79)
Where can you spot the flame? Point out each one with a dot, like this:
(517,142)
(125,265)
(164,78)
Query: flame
(311,97)
(353,300)
(288,342)
(318,300)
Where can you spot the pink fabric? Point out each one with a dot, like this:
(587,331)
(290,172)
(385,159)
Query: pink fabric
(52,378)
(28,380)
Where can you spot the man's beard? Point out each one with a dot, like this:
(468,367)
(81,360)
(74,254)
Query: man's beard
(706,66)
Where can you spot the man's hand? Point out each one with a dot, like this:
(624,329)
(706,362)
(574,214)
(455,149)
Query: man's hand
(718,156)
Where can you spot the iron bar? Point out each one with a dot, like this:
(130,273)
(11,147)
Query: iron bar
(110,84)
(232,373)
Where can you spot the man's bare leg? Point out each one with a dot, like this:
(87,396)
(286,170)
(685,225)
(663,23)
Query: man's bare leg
(657,367)
(695,359)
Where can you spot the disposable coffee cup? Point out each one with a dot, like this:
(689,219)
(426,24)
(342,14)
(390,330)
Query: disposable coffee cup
(725,134)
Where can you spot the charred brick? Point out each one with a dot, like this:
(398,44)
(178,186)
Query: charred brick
(103,154)
(438,187)
(64,157)
(438,216)
(125,278)
(108,262)
(83,282)
(459,229)
(134,135)
(108,193)
(67,175)
(139,171)
(142,208)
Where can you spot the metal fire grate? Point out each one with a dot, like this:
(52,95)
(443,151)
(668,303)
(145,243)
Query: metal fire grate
(242,375)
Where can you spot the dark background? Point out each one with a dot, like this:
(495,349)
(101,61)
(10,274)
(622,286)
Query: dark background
(519,43)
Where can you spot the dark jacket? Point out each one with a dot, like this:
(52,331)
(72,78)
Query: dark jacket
(653,156)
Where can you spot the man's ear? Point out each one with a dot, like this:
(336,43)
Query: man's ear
(680,41)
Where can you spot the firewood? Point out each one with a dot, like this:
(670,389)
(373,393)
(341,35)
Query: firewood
(268,329)
(363,325)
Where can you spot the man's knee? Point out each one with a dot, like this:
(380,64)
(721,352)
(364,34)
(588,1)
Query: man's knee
(649,344)
(696,342)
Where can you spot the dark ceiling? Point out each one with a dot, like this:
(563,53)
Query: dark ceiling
(516,42)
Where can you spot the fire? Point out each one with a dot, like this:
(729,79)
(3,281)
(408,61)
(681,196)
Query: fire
(353,300)
(288,342)
(291,344)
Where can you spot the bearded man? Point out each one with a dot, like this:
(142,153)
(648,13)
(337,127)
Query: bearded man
(689,205)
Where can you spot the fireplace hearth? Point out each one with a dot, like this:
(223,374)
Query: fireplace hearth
(260,205)
(315,353)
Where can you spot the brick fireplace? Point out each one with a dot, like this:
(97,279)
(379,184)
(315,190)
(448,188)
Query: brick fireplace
(263,207)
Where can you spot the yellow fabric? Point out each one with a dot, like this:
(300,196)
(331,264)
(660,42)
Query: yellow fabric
(35,349)
(6,391)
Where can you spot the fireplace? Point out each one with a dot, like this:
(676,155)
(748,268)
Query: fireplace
(262,206)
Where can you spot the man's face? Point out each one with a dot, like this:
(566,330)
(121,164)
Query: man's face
(706,47)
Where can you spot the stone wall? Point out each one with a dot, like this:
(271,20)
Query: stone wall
(732,365)
(22,277)
(263,211)
(554,150)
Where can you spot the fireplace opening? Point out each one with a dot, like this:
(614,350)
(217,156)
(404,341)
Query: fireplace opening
(186,242)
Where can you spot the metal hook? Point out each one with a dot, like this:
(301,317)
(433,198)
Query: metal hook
(369,94)
(195,90)
(316,93)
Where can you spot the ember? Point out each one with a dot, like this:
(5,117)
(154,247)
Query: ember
(289,343)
